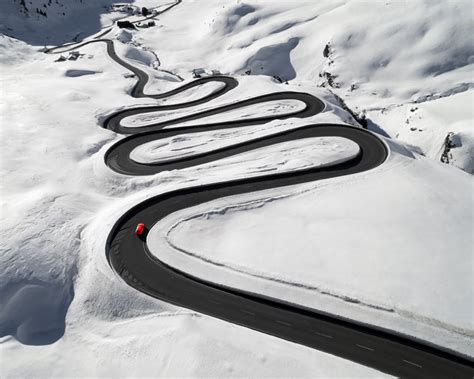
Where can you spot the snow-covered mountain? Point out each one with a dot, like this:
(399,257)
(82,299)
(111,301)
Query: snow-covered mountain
(390,247)
(50,22)
(402,73)
(402,65)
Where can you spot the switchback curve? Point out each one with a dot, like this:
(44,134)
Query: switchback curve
(130,258)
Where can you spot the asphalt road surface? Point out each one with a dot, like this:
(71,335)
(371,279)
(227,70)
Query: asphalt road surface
(129,256)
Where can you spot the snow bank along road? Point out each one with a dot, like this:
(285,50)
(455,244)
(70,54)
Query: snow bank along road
(129,256)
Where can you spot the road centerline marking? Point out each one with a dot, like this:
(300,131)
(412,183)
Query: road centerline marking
(323,335)
(248,312)
(412,363)
(364,347)
(283,323)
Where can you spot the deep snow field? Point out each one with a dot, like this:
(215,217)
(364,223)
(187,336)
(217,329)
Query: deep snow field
(391,247)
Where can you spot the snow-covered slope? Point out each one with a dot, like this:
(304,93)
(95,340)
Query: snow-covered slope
(49,22)
(371,247)
(407,65)
(387,60)
(58,206)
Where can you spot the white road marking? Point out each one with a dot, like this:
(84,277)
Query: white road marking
(323,335)
(364,347)
(248,312)
(413,363)
(283,323)
(213,301)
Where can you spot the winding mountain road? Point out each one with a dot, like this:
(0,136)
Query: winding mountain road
(129,256)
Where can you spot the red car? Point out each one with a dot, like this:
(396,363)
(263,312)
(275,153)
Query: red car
(140,229)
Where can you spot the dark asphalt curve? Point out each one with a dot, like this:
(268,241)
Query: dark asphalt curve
(128,255)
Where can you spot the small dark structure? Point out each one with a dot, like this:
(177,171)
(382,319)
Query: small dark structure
(145,11)
(125,25)
(198,72)
(276,77)
(73,55)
